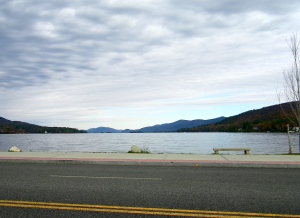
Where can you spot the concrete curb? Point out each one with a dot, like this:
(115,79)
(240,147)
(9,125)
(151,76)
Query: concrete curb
(152,162)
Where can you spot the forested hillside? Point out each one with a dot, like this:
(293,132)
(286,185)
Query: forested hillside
(265,119)
(13,127)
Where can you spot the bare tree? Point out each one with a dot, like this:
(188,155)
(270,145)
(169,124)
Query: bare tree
(291,91)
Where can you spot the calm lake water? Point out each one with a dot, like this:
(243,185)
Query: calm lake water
(195,143)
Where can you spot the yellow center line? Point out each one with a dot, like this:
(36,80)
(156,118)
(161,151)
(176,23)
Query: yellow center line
(134,210)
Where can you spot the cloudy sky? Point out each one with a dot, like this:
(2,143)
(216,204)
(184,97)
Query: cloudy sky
(136,63)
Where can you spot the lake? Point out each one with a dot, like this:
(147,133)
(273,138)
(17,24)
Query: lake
(194,143)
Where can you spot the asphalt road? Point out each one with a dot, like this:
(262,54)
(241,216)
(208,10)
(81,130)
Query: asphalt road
(29,190)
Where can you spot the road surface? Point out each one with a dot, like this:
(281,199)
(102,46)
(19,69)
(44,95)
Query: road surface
(85,190)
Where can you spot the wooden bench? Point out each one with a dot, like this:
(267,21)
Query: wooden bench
(246,150)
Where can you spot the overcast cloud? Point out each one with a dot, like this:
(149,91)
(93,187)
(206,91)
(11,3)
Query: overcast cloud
(130,64)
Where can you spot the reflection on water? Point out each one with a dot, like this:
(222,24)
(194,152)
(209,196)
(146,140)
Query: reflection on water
(195,143)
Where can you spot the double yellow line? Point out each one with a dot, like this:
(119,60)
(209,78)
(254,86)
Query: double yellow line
(133,210)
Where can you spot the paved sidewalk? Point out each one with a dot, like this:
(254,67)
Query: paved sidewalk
(211,160)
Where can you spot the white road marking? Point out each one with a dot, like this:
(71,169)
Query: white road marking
(101,177)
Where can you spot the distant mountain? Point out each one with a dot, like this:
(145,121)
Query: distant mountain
(173,127)
(270,118)
(167,127)
(12,127)
(106,130)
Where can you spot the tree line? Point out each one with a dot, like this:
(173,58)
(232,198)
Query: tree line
(30,128)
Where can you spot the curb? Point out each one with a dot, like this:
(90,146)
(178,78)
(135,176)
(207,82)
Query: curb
(124,162)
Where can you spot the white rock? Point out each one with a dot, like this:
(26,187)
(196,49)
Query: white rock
(14,149)
(135,149)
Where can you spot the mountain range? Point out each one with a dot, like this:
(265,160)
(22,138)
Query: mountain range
(167,127)
(271,118)
(266,119)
